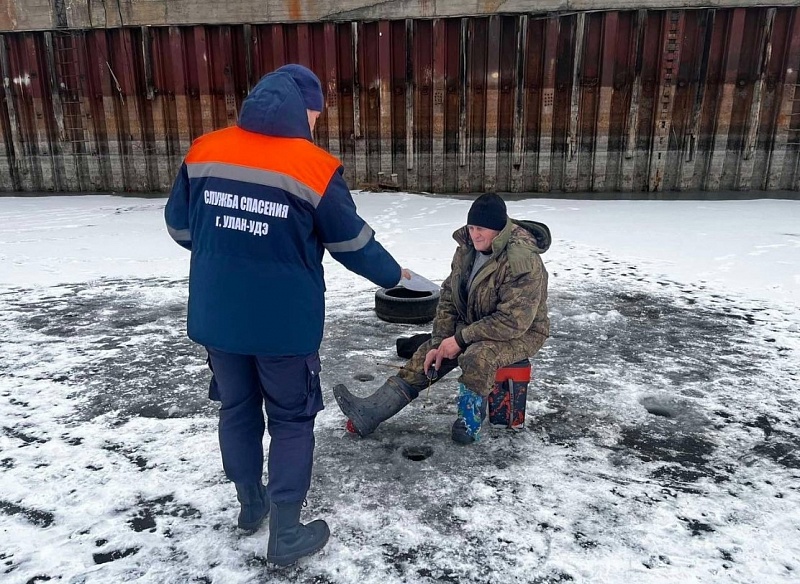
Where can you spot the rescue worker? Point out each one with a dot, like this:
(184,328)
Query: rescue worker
(492,312)
(257,204)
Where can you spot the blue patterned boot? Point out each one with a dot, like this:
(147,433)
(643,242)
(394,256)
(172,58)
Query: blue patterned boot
(471,413)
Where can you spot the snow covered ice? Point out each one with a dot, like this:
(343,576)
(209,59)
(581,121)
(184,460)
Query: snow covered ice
(661,444)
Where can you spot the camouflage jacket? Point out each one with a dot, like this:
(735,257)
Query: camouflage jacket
(508,297)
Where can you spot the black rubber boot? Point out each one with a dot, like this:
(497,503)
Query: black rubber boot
(367,412)
(290,540)
(255,505)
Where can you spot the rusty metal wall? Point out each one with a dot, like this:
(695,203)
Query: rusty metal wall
(604,101)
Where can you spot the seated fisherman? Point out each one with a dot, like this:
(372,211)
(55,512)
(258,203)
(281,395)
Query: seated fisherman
(492,312)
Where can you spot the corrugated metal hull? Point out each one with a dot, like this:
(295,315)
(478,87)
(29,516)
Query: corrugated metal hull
(607,101)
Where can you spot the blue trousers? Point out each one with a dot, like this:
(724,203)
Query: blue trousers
(289,389)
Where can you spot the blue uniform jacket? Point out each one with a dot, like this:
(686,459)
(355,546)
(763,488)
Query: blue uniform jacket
(258,204)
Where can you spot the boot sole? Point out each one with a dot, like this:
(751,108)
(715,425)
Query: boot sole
(284,561)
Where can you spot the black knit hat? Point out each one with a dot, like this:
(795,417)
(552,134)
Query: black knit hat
(488,211)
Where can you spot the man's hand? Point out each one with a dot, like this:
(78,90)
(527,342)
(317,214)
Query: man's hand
(430,357)
(447,350)
(405,274)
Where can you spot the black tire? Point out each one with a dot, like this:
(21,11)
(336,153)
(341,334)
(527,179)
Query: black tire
(405,306)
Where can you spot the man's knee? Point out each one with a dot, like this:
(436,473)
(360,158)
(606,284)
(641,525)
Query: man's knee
(289,429)
(413,371)
(417,361)
(480,362)
(480,356)
(240,402)
(492,354)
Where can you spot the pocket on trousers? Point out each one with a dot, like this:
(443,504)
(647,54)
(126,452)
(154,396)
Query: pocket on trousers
(314,397)
(213,389)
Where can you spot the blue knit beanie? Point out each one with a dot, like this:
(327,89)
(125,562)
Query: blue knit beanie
(308,84)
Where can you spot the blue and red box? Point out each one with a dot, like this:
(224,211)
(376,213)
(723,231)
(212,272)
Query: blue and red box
(508,398)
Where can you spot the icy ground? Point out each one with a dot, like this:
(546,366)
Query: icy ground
(661,444)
